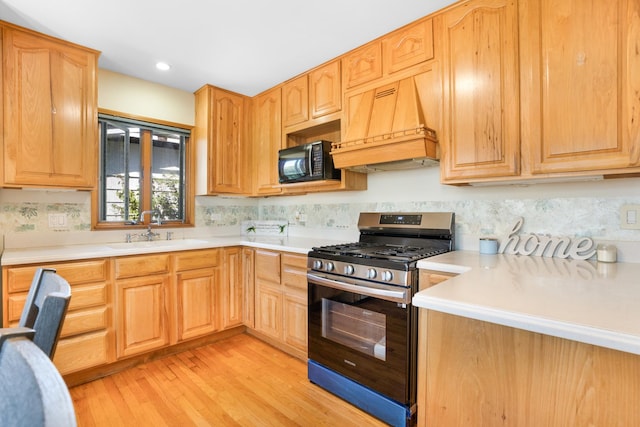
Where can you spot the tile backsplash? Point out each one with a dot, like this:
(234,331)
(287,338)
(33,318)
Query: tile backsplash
(38,218)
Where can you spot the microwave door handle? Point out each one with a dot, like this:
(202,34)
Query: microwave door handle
(399,296)
(309,155)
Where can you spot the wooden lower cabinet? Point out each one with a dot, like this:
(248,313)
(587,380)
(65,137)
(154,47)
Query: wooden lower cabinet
(232,289)
(87,336)
(198,293)
(281,299)
(248,287)
(480,373)
(142,322)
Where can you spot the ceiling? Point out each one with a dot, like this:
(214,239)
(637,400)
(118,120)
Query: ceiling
(246,46)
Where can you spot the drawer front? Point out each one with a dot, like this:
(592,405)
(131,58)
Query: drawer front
(82,352)
(197,259)
(294,271)
(81,297)
(79,322)
(19,278)
(267,266)
(141,265)
(88,296)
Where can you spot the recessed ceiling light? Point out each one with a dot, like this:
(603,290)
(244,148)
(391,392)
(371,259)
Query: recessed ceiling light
(163,66)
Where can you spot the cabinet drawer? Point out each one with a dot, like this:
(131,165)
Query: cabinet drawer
(294,271)
(82,321)
(19,278)
(81,352)
(197,259)
(267,266)
(141,265)
(81,297)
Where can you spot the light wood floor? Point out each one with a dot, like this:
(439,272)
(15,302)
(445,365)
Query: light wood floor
(239,381)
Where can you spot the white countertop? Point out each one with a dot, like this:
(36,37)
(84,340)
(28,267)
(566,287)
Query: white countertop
(300,245)
(584,301)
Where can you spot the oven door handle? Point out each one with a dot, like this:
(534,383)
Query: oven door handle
(399,296)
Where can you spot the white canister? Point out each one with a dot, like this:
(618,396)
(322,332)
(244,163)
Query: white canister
(606,253)
(488,246)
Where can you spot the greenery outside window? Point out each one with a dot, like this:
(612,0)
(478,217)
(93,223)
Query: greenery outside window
(143,167)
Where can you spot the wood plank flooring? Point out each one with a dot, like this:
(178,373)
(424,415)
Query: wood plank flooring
(239,381)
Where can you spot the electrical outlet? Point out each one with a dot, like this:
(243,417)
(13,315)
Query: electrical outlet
(58,221)
(630,217)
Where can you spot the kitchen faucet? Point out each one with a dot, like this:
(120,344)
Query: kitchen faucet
(143,213)
(149,234)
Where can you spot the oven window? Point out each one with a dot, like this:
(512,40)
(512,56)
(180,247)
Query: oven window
(357,328)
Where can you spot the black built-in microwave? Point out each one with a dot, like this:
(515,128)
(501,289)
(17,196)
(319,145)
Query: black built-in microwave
(307,162)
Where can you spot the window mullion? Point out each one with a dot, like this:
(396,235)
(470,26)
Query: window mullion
(145,179)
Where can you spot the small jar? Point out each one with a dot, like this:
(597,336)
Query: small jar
(606,253)
(488,246)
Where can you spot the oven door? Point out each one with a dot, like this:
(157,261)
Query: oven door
(367,335)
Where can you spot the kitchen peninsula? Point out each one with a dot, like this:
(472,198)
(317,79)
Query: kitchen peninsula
(528,340)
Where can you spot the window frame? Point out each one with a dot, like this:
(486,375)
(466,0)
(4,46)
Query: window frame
(145,184)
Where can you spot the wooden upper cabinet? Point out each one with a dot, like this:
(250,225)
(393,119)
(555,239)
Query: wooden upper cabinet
(480,136)
(325,90)
(312,96)
(268,139)
(49,111)
(363,64)
(581,63)
(408,46)
(222,156)
(295,108)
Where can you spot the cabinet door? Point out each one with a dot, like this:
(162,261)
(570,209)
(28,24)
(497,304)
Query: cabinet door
(581,64)
(408,46)
(229,169)
(480,138)
(197,302)
(50,115)
(363,65)
(141,313)
(325,90)
(248,282)
(295,101)
(268,140)
(294,282)
(232,288)
(268,310)
(295,320)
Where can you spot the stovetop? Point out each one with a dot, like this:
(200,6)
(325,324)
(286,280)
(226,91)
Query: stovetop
(389,247)
(376,251)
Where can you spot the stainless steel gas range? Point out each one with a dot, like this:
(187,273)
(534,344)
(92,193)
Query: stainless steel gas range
(362,326)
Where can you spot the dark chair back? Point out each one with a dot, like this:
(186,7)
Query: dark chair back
(45,308)
(32,392)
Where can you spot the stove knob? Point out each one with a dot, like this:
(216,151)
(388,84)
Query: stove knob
(372,273)
(387,276)
(349,270)
(317,264)
(329,266)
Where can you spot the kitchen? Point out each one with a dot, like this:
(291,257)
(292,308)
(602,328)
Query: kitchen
(589,207)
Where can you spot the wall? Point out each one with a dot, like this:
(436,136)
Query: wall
(559,209)
(138,97)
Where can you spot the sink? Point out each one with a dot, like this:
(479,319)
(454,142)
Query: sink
(157,244)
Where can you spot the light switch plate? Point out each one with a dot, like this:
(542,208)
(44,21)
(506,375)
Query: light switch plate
(630,217)
(58,221)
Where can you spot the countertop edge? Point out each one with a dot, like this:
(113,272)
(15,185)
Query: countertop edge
(102,250)
(574,332)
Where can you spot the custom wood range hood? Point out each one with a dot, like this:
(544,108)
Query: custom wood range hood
(386,131)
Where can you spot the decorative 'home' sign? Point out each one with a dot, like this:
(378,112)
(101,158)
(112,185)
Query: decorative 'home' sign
(544,245)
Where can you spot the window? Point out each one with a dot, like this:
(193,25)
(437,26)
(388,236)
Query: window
(143,167)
